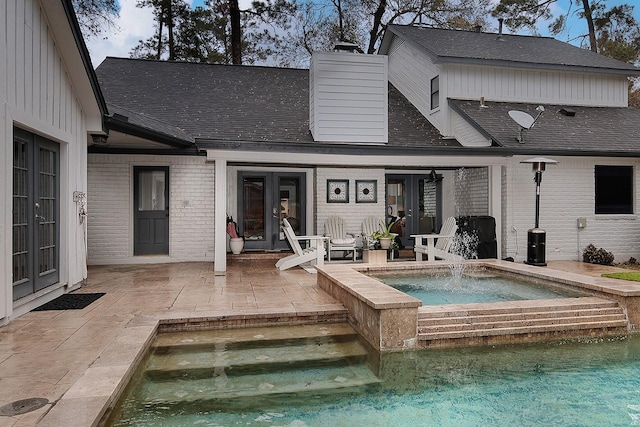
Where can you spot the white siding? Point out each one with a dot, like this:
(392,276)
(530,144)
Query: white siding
(533,86)
(567,193)
(38,94)
(348,98)
(191,209)
(411,73)
(467,135)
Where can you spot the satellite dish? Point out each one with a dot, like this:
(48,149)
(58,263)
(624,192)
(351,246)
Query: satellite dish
(522,118)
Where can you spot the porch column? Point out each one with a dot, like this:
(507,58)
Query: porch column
(495,202)
(220,218)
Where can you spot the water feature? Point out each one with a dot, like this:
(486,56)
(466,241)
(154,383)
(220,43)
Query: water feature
(473,287)
(585,383)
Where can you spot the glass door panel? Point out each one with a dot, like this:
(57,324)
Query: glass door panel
(253,213)
(265,199)
(36,226)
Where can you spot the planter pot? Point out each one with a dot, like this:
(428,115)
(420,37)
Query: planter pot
(236,245)
(385,242)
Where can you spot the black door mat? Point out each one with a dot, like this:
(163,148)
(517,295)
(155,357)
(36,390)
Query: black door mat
(70,302)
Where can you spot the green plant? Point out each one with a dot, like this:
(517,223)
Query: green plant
(384,233)
(594,255)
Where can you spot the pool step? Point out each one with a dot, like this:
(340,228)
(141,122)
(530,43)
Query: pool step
(211,366)
(247,337)
(514,321)
(299,353)
(220,387)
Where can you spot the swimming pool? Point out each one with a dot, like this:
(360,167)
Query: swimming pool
(585,383)
(473,287)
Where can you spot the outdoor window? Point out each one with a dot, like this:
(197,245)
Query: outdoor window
(435,92)
(614,189)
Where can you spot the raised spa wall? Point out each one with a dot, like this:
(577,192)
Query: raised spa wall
(388,318)
(382,315)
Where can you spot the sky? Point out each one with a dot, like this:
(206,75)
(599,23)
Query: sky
(135,24)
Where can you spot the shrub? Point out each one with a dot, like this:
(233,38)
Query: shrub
(597,256)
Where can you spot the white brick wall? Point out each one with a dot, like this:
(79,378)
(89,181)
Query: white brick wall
(567,193)
(110,206)
(353,213)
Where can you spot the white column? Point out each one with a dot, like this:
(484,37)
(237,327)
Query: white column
(220,218)
(495,202)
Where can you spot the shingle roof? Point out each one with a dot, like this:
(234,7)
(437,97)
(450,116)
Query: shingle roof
(597,130)
(505,49)
(237,103)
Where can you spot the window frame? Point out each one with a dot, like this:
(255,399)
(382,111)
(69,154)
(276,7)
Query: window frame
(435,92)
(607,177)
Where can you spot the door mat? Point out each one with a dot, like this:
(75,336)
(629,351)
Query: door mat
(70,302)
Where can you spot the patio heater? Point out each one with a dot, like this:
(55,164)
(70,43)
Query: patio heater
(536,237)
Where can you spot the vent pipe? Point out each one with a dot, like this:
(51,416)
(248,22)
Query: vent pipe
(500,20)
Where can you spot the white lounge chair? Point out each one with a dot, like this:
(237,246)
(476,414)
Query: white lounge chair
(370,225)
(339,239)
(438,245)
(313,254)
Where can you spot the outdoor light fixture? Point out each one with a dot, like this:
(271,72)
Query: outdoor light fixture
(536,237)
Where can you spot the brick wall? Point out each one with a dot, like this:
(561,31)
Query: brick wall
(566,193)
(110,206)
(353,213)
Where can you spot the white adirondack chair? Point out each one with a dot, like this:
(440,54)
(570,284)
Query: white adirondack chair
(370,225)
(438,245)
(339,239)
(313,254)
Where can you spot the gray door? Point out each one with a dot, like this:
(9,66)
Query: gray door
(36,225)
(151,210)
(418,199)
(264,199)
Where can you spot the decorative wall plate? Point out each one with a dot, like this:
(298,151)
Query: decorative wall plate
(366,191)
(337,191)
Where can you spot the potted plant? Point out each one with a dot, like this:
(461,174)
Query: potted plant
(384,236)
(236,242)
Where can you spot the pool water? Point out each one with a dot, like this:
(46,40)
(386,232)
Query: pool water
(577,383)
(475,287)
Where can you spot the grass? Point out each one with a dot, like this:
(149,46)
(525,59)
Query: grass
(627,275)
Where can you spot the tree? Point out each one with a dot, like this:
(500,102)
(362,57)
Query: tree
(220,32)
(519,14)
(93,15)
(319,25)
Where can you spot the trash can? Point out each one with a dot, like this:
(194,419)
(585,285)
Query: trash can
(536,247)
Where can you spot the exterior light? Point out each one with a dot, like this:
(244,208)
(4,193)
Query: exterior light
(536,237)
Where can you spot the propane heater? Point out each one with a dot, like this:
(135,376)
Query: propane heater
(536,237)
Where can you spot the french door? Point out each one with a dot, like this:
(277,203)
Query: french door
(417,198)
(36,211)
(264,200)
(151,210)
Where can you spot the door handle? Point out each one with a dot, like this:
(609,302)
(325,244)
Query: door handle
(409,214)
(39,217)
(275,213)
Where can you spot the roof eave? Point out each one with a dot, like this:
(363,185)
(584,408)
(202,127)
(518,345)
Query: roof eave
(531,65)
(116,124)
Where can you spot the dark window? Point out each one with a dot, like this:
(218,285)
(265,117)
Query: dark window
(435,92)
(614,189)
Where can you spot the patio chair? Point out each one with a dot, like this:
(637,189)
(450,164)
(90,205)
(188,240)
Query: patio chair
(370,225)
(339,239)
(313,254)
(438,245)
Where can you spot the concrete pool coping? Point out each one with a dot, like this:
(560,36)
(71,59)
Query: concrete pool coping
(87,401)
